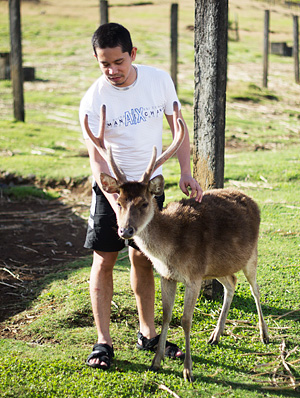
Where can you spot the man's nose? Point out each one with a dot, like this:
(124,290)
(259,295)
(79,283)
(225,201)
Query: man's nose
(113,70)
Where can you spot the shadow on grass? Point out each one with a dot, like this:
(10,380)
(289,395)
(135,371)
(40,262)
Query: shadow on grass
(249,306)
(127,366)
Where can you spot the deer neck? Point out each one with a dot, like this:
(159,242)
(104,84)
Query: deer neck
(150,242)
(151,229)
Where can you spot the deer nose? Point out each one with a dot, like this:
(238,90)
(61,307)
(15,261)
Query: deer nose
(126,233)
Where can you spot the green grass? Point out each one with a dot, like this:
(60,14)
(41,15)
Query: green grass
(55,333)
(42,150)
(28,192)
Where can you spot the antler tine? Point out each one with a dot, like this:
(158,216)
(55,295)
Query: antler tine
(102,125)
(177,141)
(146,176)
(98,141)
(118,172)
(100,146)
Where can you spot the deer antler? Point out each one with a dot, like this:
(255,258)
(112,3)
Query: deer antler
(99,140)
(118,172)
(150,169)
(100,146)
(177,141)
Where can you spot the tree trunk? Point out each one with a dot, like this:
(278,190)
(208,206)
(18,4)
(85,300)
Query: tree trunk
(103,12)
(266,48)
(211,22)
(296,48)
(174,43)
(16,59)
(211,27)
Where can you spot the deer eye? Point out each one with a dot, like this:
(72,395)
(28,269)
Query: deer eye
(144,205)
(119,205)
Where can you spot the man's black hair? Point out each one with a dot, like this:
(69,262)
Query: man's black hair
(111,35)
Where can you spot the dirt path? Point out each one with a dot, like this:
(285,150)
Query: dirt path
(37,238)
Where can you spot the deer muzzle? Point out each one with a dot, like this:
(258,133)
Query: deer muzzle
(126,233)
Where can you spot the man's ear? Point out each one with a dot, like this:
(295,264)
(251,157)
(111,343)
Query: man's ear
(156,185)
(108,183)
(133,53)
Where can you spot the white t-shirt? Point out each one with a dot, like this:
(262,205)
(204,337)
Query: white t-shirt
(134,117)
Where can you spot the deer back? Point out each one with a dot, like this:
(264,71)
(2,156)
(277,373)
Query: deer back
(210,239)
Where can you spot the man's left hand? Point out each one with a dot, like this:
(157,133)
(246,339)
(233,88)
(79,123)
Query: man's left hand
(196,191)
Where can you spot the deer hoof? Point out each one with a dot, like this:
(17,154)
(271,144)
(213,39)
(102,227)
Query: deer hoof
(265,339)
(154,368)
(214,339)
(188,376)
(213,342)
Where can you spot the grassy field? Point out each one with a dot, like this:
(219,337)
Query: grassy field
(54,335)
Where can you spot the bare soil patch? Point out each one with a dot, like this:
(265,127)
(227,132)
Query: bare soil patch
(37,237)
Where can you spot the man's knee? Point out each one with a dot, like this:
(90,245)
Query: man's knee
(104,261)
(138,259)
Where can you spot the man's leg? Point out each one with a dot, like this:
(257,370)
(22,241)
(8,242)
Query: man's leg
(101,291)
(142,284)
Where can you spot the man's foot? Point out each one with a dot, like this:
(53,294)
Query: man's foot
(101,356)
(172,350)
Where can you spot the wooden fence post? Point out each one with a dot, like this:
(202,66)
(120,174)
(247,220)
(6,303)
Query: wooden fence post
(266,48)
(103,12)
(236,25)
(16,59)
(174,42)
(211,33)
(296,47)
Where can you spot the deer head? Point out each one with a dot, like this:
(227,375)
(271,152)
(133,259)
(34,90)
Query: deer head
(135,204)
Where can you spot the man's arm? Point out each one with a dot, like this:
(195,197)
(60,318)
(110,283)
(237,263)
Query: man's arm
(183,155)
(98,166)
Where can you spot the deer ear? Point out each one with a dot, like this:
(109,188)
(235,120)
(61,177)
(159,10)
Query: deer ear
(108,183)
(156,185)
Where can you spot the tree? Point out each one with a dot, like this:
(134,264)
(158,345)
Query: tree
(211,27)
(16,59)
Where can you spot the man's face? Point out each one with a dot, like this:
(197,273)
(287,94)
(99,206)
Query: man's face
(117,66)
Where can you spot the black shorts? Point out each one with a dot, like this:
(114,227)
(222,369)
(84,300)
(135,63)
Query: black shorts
(102,231)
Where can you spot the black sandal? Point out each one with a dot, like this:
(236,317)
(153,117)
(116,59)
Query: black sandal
(151,345)
(104,353)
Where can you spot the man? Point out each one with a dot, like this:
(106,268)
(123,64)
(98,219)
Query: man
(136,98)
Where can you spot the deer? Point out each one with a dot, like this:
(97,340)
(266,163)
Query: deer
(187,241)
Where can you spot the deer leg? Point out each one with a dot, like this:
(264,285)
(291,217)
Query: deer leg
(190,299)
(229,283)
(168,291)
(250,273)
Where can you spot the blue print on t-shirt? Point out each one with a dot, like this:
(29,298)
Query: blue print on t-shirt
(135,116)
